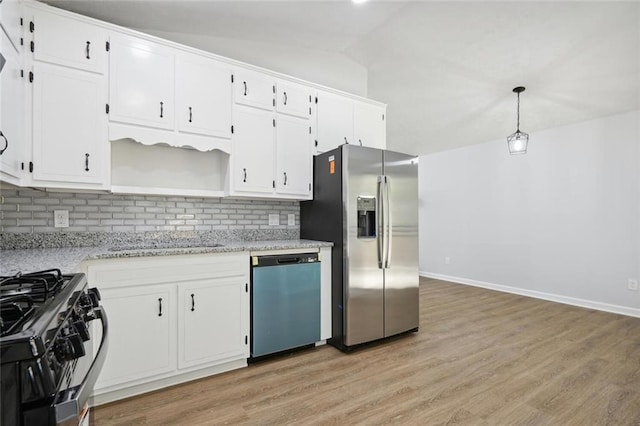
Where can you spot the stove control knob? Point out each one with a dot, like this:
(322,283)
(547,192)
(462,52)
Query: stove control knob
(81,328)
(95,297)
(77,344)
(69,347)
(63,349)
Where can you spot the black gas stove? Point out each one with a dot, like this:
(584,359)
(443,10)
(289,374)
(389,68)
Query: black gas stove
(51,351)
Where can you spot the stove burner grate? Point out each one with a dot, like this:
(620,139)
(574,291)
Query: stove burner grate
(22,293)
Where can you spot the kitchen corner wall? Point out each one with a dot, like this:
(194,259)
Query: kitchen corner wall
(560,223)
(31,211)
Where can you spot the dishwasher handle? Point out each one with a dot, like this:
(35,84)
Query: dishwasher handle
(288,260)
(284,259)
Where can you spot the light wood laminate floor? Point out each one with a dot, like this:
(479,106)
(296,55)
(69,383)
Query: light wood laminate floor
(480,358)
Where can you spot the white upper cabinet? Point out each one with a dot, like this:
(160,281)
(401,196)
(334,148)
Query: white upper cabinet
(293,156)
(12,113)
(203,90)
(254,89)
(12,22)
(63,41)
(70,147)
(252,161)
(293,99)
(141,82)
(335,121)
(369,126)
(343,120)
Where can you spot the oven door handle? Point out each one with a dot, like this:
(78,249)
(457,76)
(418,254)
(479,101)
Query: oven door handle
(72,402)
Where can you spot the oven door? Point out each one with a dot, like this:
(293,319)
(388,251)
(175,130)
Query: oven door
(71,404)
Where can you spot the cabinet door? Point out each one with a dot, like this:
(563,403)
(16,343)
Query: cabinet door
(254,89)
(369,125)
(69,126)
(141,333)
(213,321)
(253,150)
(12,112)
(203,88)
(141,83)
(293,156)
(11,21)
(65,41)
(293,99)
(335,121)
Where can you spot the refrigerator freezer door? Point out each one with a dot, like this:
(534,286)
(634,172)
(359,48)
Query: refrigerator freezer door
(363,279)
(401,310)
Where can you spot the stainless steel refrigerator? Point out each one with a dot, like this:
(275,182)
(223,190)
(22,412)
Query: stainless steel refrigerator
(365,201)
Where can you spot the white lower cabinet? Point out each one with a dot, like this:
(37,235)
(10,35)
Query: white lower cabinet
(134,354)
(171,319)
(214,301)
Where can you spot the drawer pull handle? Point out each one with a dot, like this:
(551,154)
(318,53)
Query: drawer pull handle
(6,143)
(285,178)
(190,115)
(159,306)
(245,87)
(244,179)
(88,44)
(285,98)
(193,303)
(161,109)
(86,162)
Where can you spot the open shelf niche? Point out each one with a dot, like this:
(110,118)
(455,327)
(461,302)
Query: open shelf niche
(164,170)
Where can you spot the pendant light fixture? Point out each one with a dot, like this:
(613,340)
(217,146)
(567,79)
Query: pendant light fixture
(518,141)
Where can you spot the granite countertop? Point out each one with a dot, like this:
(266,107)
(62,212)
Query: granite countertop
(68,259)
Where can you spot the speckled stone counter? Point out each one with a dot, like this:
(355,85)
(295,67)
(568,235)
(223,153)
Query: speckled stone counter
(68,259)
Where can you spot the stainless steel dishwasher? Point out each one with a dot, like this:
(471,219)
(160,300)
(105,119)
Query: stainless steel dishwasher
(285,302)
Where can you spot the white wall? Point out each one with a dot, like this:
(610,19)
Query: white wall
(561,222)
(328,69)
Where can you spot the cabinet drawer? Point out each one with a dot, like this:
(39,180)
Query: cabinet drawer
(254,89)
(140,271)
(69,42)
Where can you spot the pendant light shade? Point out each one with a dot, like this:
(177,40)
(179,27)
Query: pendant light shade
(518,141)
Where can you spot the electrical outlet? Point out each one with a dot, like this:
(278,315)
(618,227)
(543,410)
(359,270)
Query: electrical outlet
(447,260)
(274,219)
(632,284)
(61,218)
(291,219)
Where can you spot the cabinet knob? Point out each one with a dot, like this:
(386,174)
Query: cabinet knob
(6,143)
(88,47)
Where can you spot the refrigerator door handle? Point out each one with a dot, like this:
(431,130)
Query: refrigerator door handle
(380,223)
(387,218)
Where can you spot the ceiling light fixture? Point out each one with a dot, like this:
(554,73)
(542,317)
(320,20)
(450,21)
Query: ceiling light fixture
(518,141)
(359,1)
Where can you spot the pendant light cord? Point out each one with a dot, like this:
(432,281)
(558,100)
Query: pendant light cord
(518,126)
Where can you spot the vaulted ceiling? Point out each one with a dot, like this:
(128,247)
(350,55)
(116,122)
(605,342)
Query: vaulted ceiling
(446,69)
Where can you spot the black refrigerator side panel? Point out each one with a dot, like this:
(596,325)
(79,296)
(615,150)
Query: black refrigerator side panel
(321,219)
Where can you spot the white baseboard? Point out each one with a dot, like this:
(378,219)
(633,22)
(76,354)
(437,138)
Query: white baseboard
(599,306)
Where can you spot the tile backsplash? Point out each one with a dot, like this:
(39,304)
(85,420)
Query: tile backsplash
(25,210)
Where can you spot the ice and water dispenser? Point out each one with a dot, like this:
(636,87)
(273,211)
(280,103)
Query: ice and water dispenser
(366,217)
